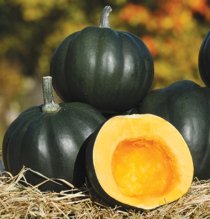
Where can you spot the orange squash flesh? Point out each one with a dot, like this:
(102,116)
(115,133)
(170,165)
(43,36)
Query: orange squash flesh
(142,161)
(136,162)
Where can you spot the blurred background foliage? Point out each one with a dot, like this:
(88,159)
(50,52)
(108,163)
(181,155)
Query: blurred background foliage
(31,30)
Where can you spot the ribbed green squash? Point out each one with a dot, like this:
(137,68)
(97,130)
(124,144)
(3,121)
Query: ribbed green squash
(108,69)
(204,60)
(48,138)
(187,106)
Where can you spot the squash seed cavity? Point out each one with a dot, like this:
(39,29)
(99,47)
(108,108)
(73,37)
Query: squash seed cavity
(144,167)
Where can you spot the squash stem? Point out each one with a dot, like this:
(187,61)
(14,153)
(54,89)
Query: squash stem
(104,22)
(49,105)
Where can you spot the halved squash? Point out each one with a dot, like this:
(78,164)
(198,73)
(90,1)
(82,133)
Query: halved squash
(138,161)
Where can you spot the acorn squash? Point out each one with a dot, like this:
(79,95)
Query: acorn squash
(138,161)
(187,106)
(48,138)
(108,69)
(204,59)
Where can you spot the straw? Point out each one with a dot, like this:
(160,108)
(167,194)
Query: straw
(19,201)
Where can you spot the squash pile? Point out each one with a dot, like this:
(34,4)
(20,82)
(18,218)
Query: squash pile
(145,154)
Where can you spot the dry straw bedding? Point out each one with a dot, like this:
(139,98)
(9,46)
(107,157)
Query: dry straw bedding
(18,201)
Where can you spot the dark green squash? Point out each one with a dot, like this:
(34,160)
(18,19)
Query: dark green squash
(48,138)
(204,60)
(186,105)
(108,69)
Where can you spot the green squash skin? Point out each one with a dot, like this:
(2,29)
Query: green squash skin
(108,69)
(186,105)
(204,60)
(50,142)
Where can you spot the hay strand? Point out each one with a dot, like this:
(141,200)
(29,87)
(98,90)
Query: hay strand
(18,201)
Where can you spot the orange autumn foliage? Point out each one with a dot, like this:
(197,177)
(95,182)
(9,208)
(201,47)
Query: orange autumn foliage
(173,31)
